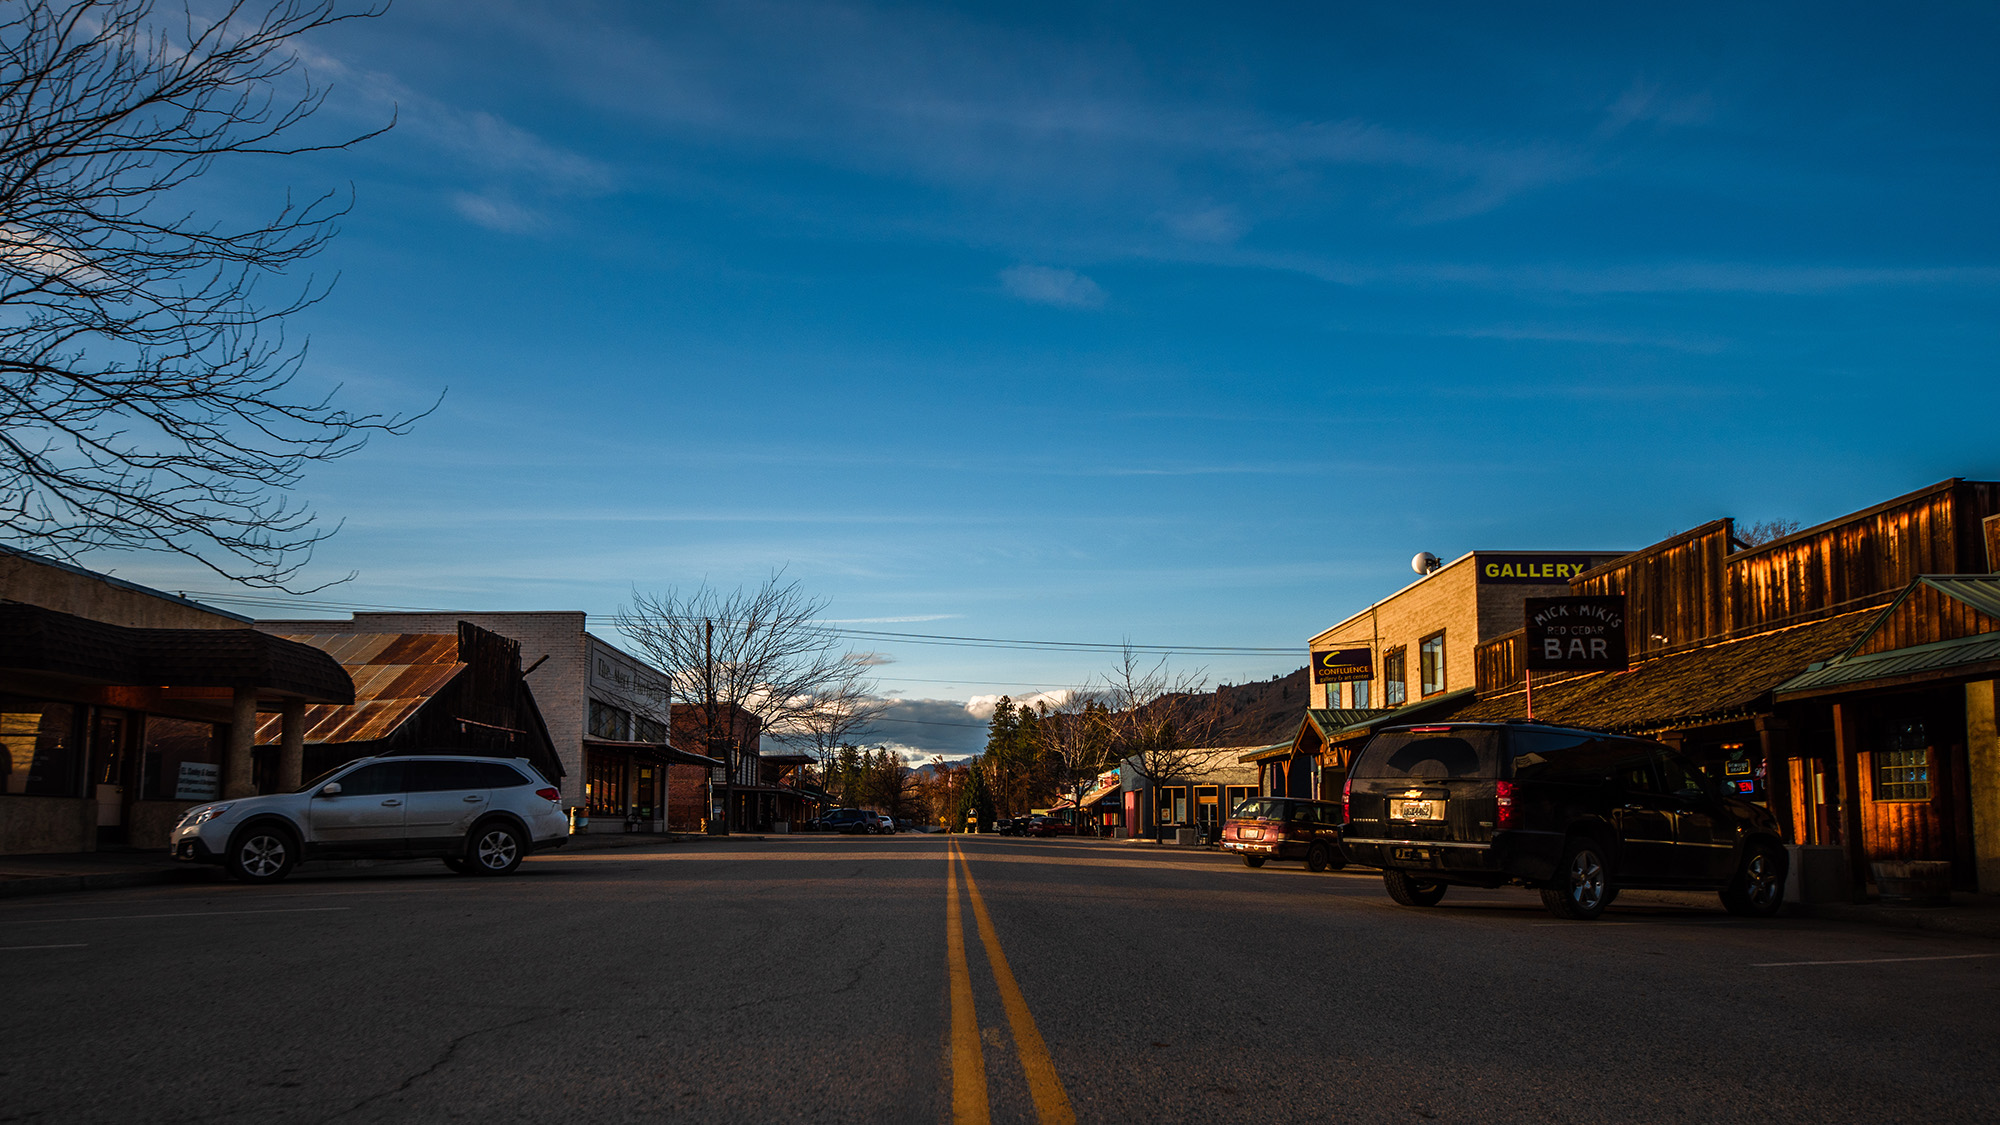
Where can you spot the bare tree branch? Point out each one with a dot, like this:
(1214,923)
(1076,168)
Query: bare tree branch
(146,384)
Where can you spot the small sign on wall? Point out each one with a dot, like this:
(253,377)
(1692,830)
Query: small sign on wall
(1584,634)
(1342,665)
(198,781)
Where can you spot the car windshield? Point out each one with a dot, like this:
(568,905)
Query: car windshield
(322,779)
(1434,755)
(1261,808)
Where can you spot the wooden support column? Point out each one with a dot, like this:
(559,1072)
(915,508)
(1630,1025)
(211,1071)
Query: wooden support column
(292,746)
(1982,751)
(236,779)
(1777,745)
(1847,762)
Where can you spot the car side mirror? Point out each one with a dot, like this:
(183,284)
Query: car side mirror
(330,789)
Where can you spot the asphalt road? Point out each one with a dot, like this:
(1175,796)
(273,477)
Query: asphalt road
(815,979)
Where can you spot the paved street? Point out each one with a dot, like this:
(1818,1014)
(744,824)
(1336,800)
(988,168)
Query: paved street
(812,978)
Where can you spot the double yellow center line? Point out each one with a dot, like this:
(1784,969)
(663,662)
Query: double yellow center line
(969,1102)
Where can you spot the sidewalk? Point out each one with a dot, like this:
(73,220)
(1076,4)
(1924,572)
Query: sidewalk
(96,871)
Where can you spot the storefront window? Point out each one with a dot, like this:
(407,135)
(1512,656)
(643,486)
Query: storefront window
(42,758)
(604,784)
(1395,684)
(1430,663)
(610,722)
(182,761)
(648,730)
(1903,766)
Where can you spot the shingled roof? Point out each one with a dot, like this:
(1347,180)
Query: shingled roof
(394,674)
(1711,684)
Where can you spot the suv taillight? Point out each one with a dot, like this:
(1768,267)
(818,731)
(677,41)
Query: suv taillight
(1346,800)
(549,793)
(1504,792)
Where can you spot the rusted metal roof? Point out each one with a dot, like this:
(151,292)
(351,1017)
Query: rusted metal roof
(394,674)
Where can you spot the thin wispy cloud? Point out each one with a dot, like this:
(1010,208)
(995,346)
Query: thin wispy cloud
(1044,285)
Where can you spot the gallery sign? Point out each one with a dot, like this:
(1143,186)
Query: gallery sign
(1576,634)
(1343,665)
(1539,570)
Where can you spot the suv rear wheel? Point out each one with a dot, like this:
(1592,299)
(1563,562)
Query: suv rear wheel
(494,849)
(1319,857)
(1758,889)
(1582,886)
(262,854)
(1411,892)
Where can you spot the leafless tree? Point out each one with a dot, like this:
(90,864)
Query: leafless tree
(836,715)
(763,651)
(1160,721)
(1075,739)
(1766,531)
(146,383)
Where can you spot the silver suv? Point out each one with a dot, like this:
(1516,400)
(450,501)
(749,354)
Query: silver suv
(482,816)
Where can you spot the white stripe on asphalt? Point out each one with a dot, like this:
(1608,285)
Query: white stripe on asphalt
(1874,960)
(18,948)
(201,914)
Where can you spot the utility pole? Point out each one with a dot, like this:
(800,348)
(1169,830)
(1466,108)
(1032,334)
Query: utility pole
(719,825)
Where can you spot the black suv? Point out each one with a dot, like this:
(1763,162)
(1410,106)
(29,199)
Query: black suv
(851,821)
(1577,813)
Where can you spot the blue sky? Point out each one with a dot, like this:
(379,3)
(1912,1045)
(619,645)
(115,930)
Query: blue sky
(1180,324)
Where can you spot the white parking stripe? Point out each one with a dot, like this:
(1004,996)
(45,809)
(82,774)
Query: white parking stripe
(17,948)
(200,914)
(1874,960)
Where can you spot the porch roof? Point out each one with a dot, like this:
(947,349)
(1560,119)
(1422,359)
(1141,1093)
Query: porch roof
(51,643)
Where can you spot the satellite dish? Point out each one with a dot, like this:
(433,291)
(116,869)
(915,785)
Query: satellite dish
(1425,562)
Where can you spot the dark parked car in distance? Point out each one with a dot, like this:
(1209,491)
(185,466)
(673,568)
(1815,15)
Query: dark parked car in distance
(1576,813)
(851,821)
(1265,828)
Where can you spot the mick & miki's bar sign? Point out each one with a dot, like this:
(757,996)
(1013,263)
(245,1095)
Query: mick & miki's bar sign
(1576,634)
(1540,570)
(1343,665)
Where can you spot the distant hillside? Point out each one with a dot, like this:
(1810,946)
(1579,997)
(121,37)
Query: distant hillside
(1265,712)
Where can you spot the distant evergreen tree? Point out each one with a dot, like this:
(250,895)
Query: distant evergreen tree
(975,800)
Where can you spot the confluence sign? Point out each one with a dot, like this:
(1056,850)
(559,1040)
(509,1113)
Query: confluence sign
(1343,665)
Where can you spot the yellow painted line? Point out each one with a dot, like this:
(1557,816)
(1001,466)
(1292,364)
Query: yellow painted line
(968,1061)
(1051,1103)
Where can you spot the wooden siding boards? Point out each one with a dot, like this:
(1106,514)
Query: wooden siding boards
(1674,590)
(1694,587)
(1925,614)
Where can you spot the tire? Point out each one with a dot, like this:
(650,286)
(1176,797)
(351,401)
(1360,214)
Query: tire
(1317,858)
(1758,888)
(1253,861)
(494,849)
(1411,892)
(262,853)
(1582,886)
(458,864)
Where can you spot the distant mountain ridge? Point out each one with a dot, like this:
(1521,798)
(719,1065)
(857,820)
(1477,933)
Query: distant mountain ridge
(1265,712)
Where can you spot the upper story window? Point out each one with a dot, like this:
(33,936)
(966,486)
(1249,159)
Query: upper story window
(1395,677)
(648,730)
(1430,663)
(606,721)
(1361,694)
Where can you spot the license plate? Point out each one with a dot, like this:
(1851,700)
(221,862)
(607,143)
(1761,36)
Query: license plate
(1412,808)
(1412,855)
(1253,833)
